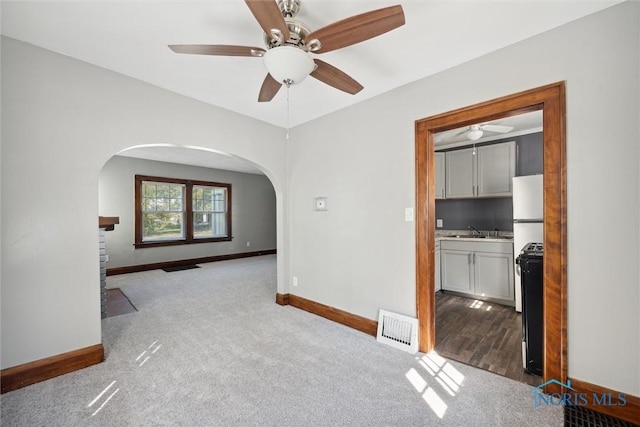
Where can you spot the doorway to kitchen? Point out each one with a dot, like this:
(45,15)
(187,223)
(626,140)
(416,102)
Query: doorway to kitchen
(482,172)
(550,100)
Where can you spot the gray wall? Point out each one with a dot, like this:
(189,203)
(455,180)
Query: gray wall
(62,120)
(529,154)
(253,211)
(360,254)
(483,214)
(492,213)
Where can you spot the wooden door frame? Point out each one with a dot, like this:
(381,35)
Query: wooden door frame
(551,100)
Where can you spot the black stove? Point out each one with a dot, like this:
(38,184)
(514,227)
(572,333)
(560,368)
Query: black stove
(532,249)
(532,282)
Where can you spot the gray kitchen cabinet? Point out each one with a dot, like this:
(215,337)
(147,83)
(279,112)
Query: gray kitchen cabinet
(480,269)
(460,173)
(440,175)
(484,171)
(437,282)
(496,166)
(494,275)
(457,272)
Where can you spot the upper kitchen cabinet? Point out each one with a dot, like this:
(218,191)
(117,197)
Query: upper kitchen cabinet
(496,168)
(484,171)
(440,175)
(460,173)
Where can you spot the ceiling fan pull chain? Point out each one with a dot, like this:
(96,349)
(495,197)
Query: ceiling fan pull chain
(288,109)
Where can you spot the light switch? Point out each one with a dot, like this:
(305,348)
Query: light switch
(439,223)
(408,214)
(320,204)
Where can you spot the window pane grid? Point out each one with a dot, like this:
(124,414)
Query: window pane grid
(209,199)
(157,197)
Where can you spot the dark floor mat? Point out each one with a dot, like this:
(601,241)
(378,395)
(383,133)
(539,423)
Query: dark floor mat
(118,303)
(180,268)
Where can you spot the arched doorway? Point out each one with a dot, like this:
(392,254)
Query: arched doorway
(253,208)
(551,100)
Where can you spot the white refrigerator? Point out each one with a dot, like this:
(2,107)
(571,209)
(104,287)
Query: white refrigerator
(528,220)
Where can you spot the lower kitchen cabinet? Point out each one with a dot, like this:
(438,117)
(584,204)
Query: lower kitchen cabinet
(457,271)
(478,269)
(437,282)
(494,275)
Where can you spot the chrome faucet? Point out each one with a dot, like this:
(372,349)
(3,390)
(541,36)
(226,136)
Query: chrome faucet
(475,230)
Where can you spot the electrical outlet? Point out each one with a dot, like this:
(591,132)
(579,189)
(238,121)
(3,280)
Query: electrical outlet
(248,244)
(295,280)
(439,223)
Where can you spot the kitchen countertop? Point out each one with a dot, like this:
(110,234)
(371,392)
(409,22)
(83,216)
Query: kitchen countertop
(466,236)
(476,239)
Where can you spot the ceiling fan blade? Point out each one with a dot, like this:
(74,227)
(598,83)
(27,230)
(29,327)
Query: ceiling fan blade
(497,128)
(217,49)
(357,28)
(268,15)
(270,87)
(334,77)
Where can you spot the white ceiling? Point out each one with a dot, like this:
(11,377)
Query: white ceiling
(522,124)
(131,38)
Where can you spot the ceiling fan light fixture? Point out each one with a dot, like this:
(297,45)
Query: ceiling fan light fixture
(288,64)
(475,133)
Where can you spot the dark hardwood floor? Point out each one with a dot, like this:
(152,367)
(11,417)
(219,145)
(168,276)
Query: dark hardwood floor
(481,334)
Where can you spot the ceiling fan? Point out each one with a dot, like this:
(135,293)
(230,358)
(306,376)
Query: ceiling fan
(289,44)
(474,132)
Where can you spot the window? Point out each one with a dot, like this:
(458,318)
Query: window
(162,209)
(209,212)
(173,211)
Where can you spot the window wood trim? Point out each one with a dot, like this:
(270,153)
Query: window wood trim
(188,200)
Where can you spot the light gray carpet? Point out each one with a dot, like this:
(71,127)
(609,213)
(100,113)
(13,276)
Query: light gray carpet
(209,347)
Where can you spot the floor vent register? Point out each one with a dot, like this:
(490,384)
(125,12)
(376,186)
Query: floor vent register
(398,331)
(578,416)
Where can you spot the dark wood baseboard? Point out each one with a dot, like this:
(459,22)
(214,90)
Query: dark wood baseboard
(40,370)
(354,321)
(282,299)
(629,412)
(168,264)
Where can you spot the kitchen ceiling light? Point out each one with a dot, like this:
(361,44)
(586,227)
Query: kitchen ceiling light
(288,65)
(475,133)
